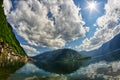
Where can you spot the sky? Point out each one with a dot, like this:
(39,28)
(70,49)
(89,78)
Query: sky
(43,25)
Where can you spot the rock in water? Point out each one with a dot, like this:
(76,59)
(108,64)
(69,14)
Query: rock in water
(60,61)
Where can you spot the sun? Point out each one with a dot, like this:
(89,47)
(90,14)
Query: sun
(92,6)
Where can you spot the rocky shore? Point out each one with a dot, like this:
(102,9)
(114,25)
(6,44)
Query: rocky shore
(8,55)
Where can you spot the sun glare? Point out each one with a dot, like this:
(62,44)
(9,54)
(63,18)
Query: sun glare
(92,6)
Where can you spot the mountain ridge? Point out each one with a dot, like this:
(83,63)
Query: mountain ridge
(6,33)
(10,49)
(109,51)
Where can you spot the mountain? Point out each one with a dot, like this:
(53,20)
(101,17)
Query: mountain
(10,48)
(6,33)
(110,51)
(60,54)
(60,61)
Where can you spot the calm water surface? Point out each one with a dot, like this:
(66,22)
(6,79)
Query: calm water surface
(94,71)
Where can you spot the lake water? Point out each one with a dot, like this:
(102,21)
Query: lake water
(94,71)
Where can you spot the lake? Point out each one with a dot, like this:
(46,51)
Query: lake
(95,71)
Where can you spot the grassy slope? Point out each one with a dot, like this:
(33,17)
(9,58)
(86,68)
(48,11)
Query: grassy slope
(7,34)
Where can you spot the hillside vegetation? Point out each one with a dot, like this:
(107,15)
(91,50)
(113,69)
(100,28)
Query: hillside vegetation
(7,35)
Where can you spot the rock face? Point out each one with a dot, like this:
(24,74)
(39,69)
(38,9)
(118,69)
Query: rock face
(60,61)
(8,55)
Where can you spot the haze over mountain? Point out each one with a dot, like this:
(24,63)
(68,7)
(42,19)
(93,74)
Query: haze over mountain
(110,51)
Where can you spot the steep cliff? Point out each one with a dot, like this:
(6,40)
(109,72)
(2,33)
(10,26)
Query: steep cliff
(9,45)
(6,33)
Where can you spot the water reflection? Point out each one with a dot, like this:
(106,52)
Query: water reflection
(95,71)
(31,72)
(98,71)
(59,67)
(6,69)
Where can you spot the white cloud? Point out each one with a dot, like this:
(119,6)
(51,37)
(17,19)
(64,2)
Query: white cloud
(87,29)
(30,50)
(7,6)
(62,24)
(94,25)
(109,26)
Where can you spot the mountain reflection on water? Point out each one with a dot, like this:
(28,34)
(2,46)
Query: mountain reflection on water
(96,71)
(58,68)
(8,68)
(31,72)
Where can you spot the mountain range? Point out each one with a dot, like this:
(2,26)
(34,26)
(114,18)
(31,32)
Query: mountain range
(110,51)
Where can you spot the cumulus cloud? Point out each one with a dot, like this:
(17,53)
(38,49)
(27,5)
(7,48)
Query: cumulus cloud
(30,50)
(7,6)
(87,29)
(108,26)
(46,23)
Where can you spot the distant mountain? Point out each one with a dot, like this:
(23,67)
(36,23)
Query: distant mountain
(60,61)
(57,53)
(110,51)
(7,36)
(60,54)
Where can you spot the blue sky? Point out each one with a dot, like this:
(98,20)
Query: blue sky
(77,24)
(90,19)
